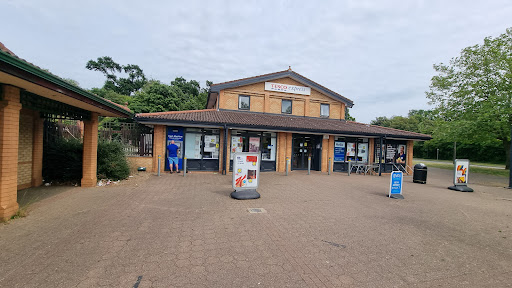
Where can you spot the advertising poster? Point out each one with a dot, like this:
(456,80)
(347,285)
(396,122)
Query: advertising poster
(390,153)
(362,152)
(210,143)
(395,185)
(246,168)
(461,172)
(339,151)
(237,144)
(176,134)
(351,149)
(400,156)
(254,144)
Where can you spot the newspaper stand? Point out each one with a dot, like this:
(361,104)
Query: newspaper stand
(246,175)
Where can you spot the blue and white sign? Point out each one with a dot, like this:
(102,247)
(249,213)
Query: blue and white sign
(339,151)
(395,186)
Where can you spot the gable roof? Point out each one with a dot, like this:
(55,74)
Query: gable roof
(254,120)
(215,88)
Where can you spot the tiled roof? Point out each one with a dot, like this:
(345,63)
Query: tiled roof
(277,75)
(279,122)
(80,90)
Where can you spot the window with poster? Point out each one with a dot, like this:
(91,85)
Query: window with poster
(202,148)
(253,141)
(350,149)
(393,151)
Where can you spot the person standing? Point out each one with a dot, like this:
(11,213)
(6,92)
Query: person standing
(172,155)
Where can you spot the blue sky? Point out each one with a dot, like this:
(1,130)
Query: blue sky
(377,53)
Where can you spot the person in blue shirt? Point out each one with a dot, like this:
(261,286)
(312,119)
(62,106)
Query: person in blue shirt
(172,155)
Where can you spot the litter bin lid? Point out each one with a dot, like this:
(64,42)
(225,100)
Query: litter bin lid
(420,166)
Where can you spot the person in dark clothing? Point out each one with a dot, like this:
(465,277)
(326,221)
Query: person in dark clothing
(172,155)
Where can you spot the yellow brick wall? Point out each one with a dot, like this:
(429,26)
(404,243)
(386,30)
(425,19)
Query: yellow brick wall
(303,105)
(275,105)
(257,103)
(25,149)
(298,108)
(314,109)
(137,161)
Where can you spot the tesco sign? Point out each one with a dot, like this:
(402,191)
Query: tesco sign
(286,88)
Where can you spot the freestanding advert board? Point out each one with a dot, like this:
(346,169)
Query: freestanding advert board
(246,175)
(395,185)
(460,176)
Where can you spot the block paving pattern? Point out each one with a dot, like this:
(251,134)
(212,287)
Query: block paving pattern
(318,231)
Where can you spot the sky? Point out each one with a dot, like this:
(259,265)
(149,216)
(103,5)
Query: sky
(379,54)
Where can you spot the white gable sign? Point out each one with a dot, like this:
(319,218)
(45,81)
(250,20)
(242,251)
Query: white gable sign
(286,88)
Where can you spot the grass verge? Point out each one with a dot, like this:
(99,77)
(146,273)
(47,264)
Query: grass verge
(473,169)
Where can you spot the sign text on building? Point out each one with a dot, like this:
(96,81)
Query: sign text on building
(286,88)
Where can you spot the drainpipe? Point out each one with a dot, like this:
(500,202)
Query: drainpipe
(224,149)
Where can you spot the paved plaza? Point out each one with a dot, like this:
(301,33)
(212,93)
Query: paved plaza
(315,231)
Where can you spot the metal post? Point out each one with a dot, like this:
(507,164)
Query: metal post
(287,163)
(185,167)
(437,153)
(225,151)
(349,168)
(159,157)
(329,168)
(309,165)
(454,151)
(380,157)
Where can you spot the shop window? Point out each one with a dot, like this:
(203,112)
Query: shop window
(202,144)
(286,106)
(392,152)
(244,102)
(324,110)
(351,150)
(243,141)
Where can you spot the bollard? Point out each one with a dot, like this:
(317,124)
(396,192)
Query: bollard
(185,167)
(287,164)
(329,170)
(349,167)
(159,165)
(309,165)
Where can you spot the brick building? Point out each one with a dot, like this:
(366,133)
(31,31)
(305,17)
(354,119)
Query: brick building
(282,115)
(28,95)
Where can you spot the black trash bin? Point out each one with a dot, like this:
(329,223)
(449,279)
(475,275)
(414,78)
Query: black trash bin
(420,174)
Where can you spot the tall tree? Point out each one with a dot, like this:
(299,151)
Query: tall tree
(112,71)
(473,93)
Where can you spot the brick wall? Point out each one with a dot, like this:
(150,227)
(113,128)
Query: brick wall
(270,101)
(138,161)
(25,149)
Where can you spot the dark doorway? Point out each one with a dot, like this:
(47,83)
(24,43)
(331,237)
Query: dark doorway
(304,146)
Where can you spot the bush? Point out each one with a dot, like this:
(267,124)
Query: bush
(112,163)
(62,160)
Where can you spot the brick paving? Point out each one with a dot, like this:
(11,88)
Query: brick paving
(318,231)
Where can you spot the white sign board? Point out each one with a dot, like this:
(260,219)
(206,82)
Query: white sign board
(286,88)
(246,170)
(461,172)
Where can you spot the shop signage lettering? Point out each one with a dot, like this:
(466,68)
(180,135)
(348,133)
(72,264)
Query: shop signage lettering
(286,88)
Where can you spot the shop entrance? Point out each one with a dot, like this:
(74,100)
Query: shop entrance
(304,146)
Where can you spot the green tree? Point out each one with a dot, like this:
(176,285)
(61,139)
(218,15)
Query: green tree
(473,93)
(348,117)
(112,71)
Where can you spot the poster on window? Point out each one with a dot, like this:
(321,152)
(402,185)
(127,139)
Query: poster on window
(351,149)
(339,151)
(210,143)
(246,170)
(254,144)
(237,144)
(362,152)
(390,153)
(400,155)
